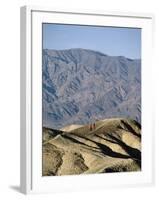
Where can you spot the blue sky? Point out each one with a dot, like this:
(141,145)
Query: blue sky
(109,40)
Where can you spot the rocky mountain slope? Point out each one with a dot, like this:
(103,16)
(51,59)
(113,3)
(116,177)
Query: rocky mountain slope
(82,85)
(113,145)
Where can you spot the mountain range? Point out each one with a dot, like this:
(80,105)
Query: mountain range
(80,86)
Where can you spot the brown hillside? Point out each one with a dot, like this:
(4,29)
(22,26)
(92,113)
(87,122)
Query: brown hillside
(113,145)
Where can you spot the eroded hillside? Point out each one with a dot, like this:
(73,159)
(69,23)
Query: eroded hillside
(112,145)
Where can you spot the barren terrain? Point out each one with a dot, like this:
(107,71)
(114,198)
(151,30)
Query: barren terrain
(111,145)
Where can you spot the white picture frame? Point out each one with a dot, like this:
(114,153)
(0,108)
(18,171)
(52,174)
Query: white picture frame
(31,121)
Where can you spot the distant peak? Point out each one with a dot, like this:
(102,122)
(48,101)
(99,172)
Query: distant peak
(77,50)
(80,50)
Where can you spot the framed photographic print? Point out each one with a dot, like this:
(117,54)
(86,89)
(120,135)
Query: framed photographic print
(86,99)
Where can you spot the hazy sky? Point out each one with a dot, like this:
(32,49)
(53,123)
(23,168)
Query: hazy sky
(109,40)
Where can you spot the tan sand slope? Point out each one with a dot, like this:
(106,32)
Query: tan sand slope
(71,127)
(113,145)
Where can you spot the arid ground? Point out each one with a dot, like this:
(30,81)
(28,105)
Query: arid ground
(109,145)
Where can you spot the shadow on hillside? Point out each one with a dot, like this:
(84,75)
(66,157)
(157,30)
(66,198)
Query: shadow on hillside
(130,129)
(79,142)
(107,150)
(133,152)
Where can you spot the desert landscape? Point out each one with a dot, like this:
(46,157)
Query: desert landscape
(91,100)
(113,145)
